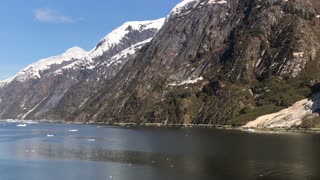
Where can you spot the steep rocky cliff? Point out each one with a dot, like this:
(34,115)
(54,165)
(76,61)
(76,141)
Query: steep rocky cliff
(218,62)
(213,61)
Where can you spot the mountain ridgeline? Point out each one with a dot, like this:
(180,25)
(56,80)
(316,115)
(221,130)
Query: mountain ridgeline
(209,62)
(55,87)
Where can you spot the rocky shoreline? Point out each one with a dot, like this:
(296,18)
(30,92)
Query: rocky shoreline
(212,126)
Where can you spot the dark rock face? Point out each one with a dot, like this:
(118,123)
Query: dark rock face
(38,95)
(246,51)
(223,62)
(84,89)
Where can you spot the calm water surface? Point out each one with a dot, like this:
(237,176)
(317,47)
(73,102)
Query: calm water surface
(101,153)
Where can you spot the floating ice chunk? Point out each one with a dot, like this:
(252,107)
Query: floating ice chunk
(50,135)
(30,122)
(30,151)
(73,130)
(22,125)
(249,130)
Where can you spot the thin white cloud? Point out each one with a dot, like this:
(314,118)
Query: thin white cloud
(51,16)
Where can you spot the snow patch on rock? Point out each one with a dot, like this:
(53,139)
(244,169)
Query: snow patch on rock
(217,2)
(34,108)
(125,53)
(187,82)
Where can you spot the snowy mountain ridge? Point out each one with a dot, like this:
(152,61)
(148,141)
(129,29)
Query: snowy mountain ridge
(114,38)
(117,35)
(33,70)
(76,57)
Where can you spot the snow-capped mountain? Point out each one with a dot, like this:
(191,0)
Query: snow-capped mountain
(124,38)
(125,32)
(42,86)
(128,35)
(37,70)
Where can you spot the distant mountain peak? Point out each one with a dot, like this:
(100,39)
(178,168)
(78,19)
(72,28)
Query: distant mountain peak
(186,5)
(183,6)
(75,49)
(33,71)
(119,34)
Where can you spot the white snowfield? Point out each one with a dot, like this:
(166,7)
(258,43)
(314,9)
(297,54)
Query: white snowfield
(82,58)
(292,116)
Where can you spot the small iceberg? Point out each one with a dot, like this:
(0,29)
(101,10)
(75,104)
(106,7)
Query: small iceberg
(50,135)
(22,125)
(92,140)
(30,151)
(249,130)
(73,130)
(31,122)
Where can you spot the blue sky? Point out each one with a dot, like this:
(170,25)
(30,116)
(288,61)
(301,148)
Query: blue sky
(35,29)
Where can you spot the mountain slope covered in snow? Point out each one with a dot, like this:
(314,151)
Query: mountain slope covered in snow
(40,88)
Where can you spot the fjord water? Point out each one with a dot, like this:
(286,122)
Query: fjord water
(93,152)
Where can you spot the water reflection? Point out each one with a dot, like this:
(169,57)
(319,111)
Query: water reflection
(147,153)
